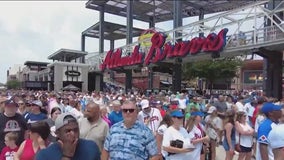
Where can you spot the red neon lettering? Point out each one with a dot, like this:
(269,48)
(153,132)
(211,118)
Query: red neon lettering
(168,50)
(159,50)
(215,42)
(196,45)
(158,41)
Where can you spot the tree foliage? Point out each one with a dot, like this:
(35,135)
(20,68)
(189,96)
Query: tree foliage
(13,84)
(211,70)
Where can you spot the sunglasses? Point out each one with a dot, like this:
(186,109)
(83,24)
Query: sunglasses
(128,110)
(179,117)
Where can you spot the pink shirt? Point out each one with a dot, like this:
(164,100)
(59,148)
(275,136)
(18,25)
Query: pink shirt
(28,152)
(106,120)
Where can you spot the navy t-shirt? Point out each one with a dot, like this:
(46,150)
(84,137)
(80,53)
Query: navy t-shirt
(12,124)
(86,150)
(30,117)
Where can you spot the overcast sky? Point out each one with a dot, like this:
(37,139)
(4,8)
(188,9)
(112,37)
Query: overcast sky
(34,30)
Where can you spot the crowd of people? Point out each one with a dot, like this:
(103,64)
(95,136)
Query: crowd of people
(45,125)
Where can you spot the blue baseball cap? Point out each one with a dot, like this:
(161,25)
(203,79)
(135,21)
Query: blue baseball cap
(177,113)
(269,107)
(197,113)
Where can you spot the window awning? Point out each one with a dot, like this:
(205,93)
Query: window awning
(165,82)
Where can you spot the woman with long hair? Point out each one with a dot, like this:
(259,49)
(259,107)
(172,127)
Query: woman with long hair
(229,135)
(39,132)
(55,111)
(197,133)
(176,140)
(165,123)
(244,136)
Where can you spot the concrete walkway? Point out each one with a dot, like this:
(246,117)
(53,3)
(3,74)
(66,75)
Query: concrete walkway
(221,154)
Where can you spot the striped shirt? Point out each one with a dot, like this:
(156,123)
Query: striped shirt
(137,142)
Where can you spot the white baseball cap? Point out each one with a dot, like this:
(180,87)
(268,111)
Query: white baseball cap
(276,136)
(37,103)
(211,109)
(144,103)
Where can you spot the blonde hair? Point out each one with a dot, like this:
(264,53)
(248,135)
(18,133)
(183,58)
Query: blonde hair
(239,115)
(190,123)
(12,136)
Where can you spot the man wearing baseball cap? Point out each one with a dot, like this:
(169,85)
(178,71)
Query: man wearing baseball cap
(36,112)
(150,116)
(116,114)
(276,140)
(69,146)
(263,148)
(10,121)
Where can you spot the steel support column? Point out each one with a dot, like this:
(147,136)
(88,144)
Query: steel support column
(111,72)
(83,47)
(272,84)
(83,42)
(176,77)
(152,22)
(101,29)
(101,43)
(150,78)
(201,17)
(128,80)
(129,28)
(150,73)
(272,73)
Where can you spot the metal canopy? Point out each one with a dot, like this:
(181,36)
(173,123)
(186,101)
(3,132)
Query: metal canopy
(112,31)
(66,55)
(34,63)
(162,10)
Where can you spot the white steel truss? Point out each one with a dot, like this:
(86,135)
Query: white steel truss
(248,31)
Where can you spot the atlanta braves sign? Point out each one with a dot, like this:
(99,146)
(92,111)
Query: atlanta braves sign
(160,50)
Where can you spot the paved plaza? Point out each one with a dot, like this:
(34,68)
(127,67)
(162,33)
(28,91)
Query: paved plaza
(220,152)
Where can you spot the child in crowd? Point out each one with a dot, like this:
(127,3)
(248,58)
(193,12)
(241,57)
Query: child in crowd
(7,152)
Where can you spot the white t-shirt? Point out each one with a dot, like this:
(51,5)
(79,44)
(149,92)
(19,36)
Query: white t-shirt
(172,134)
(76,113)
(229,106)
(250,109)
(240,107)
(161,130)
(154,117)
(195,133)
(182,103)
(216,122)
(259,119)
(246,140)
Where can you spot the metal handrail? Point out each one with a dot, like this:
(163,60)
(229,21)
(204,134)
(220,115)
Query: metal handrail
(237,40)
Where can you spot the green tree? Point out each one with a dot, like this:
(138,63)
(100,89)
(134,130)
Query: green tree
(13,84)
(211,70)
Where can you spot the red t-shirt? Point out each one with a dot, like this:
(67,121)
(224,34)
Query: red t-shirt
(7,153)
(28,152)
(254,115)
(163,112)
